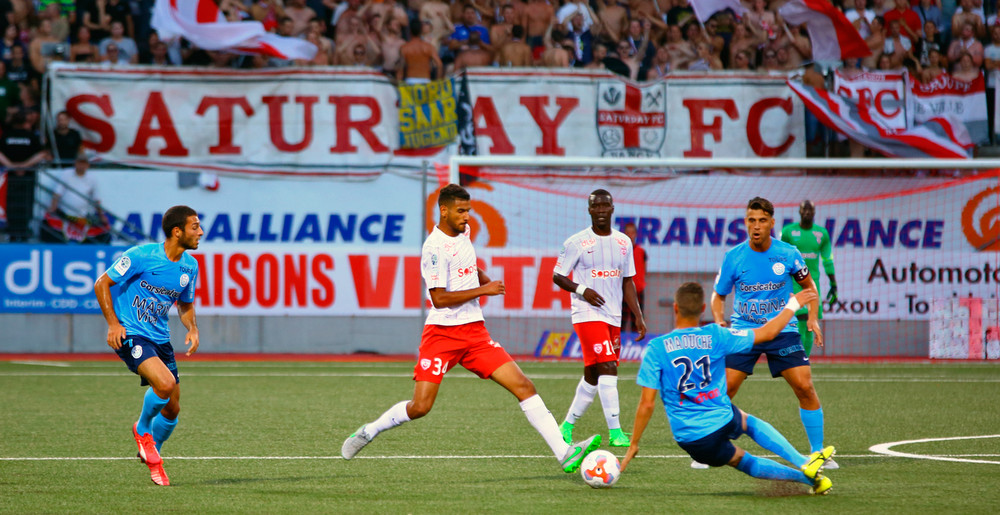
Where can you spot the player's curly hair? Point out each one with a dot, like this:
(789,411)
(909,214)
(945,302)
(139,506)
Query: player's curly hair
(176,217)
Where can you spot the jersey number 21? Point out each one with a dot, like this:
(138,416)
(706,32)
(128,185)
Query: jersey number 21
(703,362)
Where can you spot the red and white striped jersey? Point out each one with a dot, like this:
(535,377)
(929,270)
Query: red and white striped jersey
(599,263)
(450,263)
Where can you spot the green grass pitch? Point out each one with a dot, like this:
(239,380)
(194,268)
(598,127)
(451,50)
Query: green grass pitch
(265,438)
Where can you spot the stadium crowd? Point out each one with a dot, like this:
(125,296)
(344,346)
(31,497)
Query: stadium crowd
(641,39)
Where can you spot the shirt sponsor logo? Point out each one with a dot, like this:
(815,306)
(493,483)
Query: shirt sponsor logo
(159,290)
(756,287)
(605,274)
(469,270)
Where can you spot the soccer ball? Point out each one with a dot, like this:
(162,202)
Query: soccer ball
(600,469)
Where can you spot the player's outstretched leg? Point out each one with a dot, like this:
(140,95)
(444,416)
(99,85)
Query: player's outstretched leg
(769,438)
(607,389)
(393,417)
(764,468)
(582,400)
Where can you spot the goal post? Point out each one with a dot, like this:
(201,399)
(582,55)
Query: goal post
(914,242)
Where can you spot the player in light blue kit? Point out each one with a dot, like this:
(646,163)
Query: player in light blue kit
(761,271)
(135,295)
(686,368)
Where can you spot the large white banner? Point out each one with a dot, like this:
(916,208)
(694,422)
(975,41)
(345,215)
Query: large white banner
(337,121)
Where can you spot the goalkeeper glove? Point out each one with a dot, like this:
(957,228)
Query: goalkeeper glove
(831,296)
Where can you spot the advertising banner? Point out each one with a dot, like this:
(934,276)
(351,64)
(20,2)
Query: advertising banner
(52,278)
(327,248)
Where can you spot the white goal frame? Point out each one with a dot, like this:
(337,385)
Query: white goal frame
(719,163)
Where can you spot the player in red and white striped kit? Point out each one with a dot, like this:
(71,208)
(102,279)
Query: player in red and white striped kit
(455,333)
(600,259)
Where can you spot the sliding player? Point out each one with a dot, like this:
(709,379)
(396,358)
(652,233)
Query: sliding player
(686,368)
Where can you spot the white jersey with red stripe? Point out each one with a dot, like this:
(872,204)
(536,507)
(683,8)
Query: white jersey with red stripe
(450,263)
(599,263)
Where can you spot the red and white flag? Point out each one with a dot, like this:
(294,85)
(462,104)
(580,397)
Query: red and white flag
(939,137)
(704,9)
(833,37)
(201,23)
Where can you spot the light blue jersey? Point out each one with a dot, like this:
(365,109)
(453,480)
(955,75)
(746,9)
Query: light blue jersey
(147,284)
(762,280)
(688,367)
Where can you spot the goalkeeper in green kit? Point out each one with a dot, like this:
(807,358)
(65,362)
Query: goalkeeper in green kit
(814,243)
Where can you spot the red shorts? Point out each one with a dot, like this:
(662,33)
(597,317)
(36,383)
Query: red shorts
(600,342)
(469,345)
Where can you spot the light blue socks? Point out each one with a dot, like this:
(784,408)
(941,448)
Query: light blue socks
(151,406)
(764,468)
(813,422)
(769,438)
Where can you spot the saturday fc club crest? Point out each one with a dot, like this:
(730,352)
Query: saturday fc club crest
(631,120)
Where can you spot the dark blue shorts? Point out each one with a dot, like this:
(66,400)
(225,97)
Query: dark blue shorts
(717,448)
(136,349)
(783,352)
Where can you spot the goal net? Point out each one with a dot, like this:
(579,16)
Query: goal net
(914,244)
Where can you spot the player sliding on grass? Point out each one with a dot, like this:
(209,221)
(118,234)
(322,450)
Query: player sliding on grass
(600,259)
(760,270)
(687,368)
(454,334)
(135,295)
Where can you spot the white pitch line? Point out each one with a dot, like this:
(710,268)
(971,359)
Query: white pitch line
(886,449)
(61,364)
(817,379)
(405,457)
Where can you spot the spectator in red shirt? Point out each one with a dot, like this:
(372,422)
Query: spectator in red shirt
(640,257)
(910,25)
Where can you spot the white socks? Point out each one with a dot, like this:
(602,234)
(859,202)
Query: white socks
(394,416)
(581,401)
(542,420)
(607,388)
